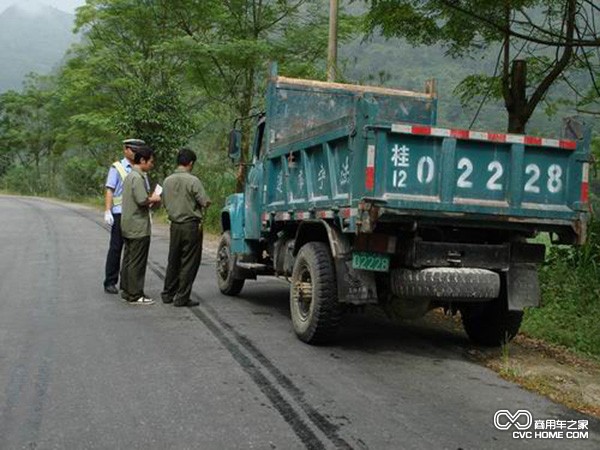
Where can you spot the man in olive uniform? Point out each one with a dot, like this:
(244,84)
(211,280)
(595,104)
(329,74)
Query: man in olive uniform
(113,200)
(184,198)
(136,227)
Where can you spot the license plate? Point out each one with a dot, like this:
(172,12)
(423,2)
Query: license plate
(376,262)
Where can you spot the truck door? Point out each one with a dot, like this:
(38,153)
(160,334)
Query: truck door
(254,185)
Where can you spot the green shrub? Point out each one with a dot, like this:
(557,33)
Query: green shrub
(22,180)
(82,177)
(219,182)
(570,280)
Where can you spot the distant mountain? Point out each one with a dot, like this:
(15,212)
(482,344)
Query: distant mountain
(33,38)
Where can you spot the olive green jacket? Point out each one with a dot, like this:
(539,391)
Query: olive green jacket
(135,218)
(184,197)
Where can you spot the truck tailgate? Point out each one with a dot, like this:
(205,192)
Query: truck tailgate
(417,167)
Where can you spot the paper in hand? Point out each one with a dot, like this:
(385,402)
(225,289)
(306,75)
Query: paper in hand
(158,189)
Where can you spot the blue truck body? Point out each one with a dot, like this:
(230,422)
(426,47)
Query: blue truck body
(413,216)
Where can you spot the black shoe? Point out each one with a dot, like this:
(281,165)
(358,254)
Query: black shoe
(188,304)
(112,289)
(166,299)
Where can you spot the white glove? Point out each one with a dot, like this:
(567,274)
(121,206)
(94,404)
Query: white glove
(108,218)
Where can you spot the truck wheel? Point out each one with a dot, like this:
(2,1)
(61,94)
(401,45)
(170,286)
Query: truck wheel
(314,307)
(228,284)
(491,323)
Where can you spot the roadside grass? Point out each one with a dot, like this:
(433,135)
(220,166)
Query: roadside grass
(570,283)
(507,369)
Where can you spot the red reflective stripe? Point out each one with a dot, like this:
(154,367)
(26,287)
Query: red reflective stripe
(417,129)
(425,130)
(459,134)
(370,178)
(585,192)
(497,137)
(530,140)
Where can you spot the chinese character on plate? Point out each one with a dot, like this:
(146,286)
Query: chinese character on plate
(400,156)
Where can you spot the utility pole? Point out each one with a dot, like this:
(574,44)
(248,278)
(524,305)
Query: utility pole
(332,53)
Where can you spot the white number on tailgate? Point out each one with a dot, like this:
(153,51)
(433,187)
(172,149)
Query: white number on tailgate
(497,170)
(466,165)
(400,178)
(554,178)
(425,161)
(534,171)
(554,183)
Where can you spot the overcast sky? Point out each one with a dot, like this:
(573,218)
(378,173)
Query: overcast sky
(64,5)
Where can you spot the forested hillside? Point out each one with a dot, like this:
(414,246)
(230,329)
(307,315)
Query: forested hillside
(35,38)
(32,40)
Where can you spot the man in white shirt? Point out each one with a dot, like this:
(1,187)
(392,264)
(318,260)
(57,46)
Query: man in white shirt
(113,200)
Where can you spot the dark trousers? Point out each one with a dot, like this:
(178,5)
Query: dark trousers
(185,255)
(133,271)
(113,258)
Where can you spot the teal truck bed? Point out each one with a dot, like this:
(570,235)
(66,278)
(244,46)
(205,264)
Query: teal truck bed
(403,213)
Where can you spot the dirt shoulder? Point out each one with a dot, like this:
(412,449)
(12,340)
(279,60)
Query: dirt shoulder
(536,365)
(549,370)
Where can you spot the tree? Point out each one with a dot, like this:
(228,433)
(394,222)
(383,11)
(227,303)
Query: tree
(124,80)
(539,43)
(229,44)
(27,128)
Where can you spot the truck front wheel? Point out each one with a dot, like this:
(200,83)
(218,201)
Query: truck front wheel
(228,284)
(491,323)
(314,307)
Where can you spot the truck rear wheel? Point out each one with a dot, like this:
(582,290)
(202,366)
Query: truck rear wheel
(314,307)
(228,284)
(491,323)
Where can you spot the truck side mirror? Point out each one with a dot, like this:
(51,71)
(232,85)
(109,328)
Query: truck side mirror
(235,145)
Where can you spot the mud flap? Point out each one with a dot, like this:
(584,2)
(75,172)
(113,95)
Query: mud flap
(523,286)
(356,287)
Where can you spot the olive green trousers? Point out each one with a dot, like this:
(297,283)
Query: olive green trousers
(185,255)
(133,268)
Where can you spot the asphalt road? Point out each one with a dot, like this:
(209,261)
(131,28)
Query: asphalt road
(81,369)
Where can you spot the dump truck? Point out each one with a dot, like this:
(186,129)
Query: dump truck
(356,197)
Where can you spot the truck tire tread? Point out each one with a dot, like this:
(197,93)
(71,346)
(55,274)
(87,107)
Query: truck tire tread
(325,314)
(445,283)
(229,285)
(491,324)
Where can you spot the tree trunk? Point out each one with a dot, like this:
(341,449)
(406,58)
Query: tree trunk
(247,126)
(517,107)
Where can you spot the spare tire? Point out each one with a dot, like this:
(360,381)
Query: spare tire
(448,283)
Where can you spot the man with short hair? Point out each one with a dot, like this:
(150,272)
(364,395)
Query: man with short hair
(184,198)
(136,227)
(112,215)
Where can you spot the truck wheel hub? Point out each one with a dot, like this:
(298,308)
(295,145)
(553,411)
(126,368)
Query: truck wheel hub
(303,293)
